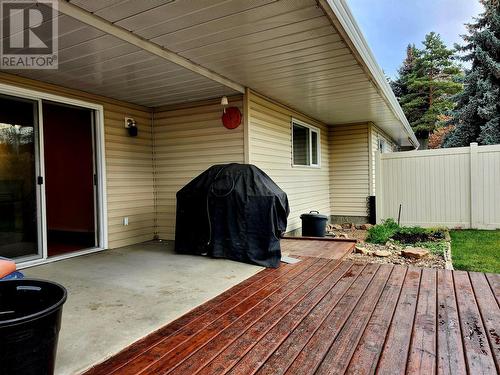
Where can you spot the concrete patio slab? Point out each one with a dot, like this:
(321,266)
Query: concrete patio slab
(115,297)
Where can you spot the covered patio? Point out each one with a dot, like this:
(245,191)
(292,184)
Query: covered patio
(298,75)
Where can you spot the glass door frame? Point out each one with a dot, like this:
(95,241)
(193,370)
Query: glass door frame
(38,168)
(99,165)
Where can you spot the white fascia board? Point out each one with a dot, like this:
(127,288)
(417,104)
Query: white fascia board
(119,32)
(352,31)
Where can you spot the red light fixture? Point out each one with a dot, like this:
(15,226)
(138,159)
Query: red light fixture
(231,118)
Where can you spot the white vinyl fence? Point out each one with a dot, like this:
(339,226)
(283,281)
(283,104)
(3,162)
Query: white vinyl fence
(456,187)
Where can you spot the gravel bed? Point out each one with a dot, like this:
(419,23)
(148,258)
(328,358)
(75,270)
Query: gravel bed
(392,257)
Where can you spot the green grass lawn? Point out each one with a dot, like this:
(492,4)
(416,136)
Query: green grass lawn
(476,250)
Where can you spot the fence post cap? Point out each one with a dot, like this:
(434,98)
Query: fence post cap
(474,144)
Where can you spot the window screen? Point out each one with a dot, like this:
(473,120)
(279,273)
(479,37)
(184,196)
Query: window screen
(314,147)
(300,145)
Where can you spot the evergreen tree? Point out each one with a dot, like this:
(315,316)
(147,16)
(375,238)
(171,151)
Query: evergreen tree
(400,85)
(477,114)
(426,82)
(412,101)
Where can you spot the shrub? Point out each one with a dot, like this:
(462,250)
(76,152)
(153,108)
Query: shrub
(389,229)
(382,232)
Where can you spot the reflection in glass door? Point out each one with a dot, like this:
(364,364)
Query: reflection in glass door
(19,219)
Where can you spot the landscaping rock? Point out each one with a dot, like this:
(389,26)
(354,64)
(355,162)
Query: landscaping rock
(332,227)
(414,252)
(382,253)
(348,226)
(343,235)
(365,226)
(392,246)
(361,250)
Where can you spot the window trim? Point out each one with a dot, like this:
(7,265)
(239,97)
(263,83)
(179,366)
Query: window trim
(312,129)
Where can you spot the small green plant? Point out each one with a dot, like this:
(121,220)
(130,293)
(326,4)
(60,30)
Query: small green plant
(382,232)
(389,229)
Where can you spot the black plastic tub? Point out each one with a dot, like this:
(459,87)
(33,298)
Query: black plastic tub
(30,320)
(313,224)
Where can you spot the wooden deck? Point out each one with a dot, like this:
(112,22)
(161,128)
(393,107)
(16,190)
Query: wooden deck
(327,248)
(327,316)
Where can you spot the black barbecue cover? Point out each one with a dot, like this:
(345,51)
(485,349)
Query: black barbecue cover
(232,211)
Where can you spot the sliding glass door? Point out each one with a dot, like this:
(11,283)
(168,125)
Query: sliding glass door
(50,202)
(20,219)
(68,159)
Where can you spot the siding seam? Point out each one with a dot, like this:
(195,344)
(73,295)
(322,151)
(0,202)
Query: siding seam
(155,186)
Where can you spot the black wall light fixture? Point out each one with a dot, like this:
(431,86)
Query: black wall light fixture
(131,126)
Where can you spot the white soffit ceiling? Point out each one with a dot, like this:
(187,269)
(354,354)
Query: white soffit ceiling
(95,62)
(285,49)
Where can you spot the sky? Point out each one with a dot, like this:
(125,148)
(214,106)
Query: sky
(389,25)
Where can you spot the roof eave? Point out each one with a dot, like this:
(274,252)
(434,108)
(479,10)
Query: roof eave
(346,25)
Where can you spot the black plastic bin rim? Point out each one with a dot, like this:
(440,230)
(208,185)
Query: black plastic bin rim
(312,215)
(40,314)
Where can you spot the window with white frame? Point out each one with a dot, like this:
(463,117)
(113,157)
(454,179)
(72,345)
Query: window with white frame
(305,144)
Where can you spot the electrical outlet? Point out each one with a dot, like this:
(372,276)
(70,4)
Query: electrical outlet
(125,221)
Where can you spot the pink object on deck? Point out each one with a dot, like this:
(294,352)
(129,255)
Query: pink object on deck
(6,267)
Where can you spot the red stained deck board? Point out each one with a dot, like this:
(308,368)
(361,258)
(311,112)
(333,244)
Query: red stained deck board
(494,281)
(490,313)
(290,344)
(423,352)
(342,348)
(451,359)
(269,316)
(319,248)
(477,349)
(331,316)
(272,328)
(315,350)
(367,353)
(395,352)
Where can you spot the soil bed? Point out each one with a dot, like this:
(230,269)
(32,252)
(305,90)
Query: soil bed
(366,252)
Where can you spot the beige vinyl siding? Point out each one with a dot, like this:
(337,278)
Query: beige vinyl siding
(349,169)
(189,139)
(375,135)
(129,166)
(270,145)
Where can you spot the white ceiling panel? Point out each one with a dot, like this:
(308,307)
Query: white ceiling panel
(93,61)
(178,15)
(288,50)
(94,5)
